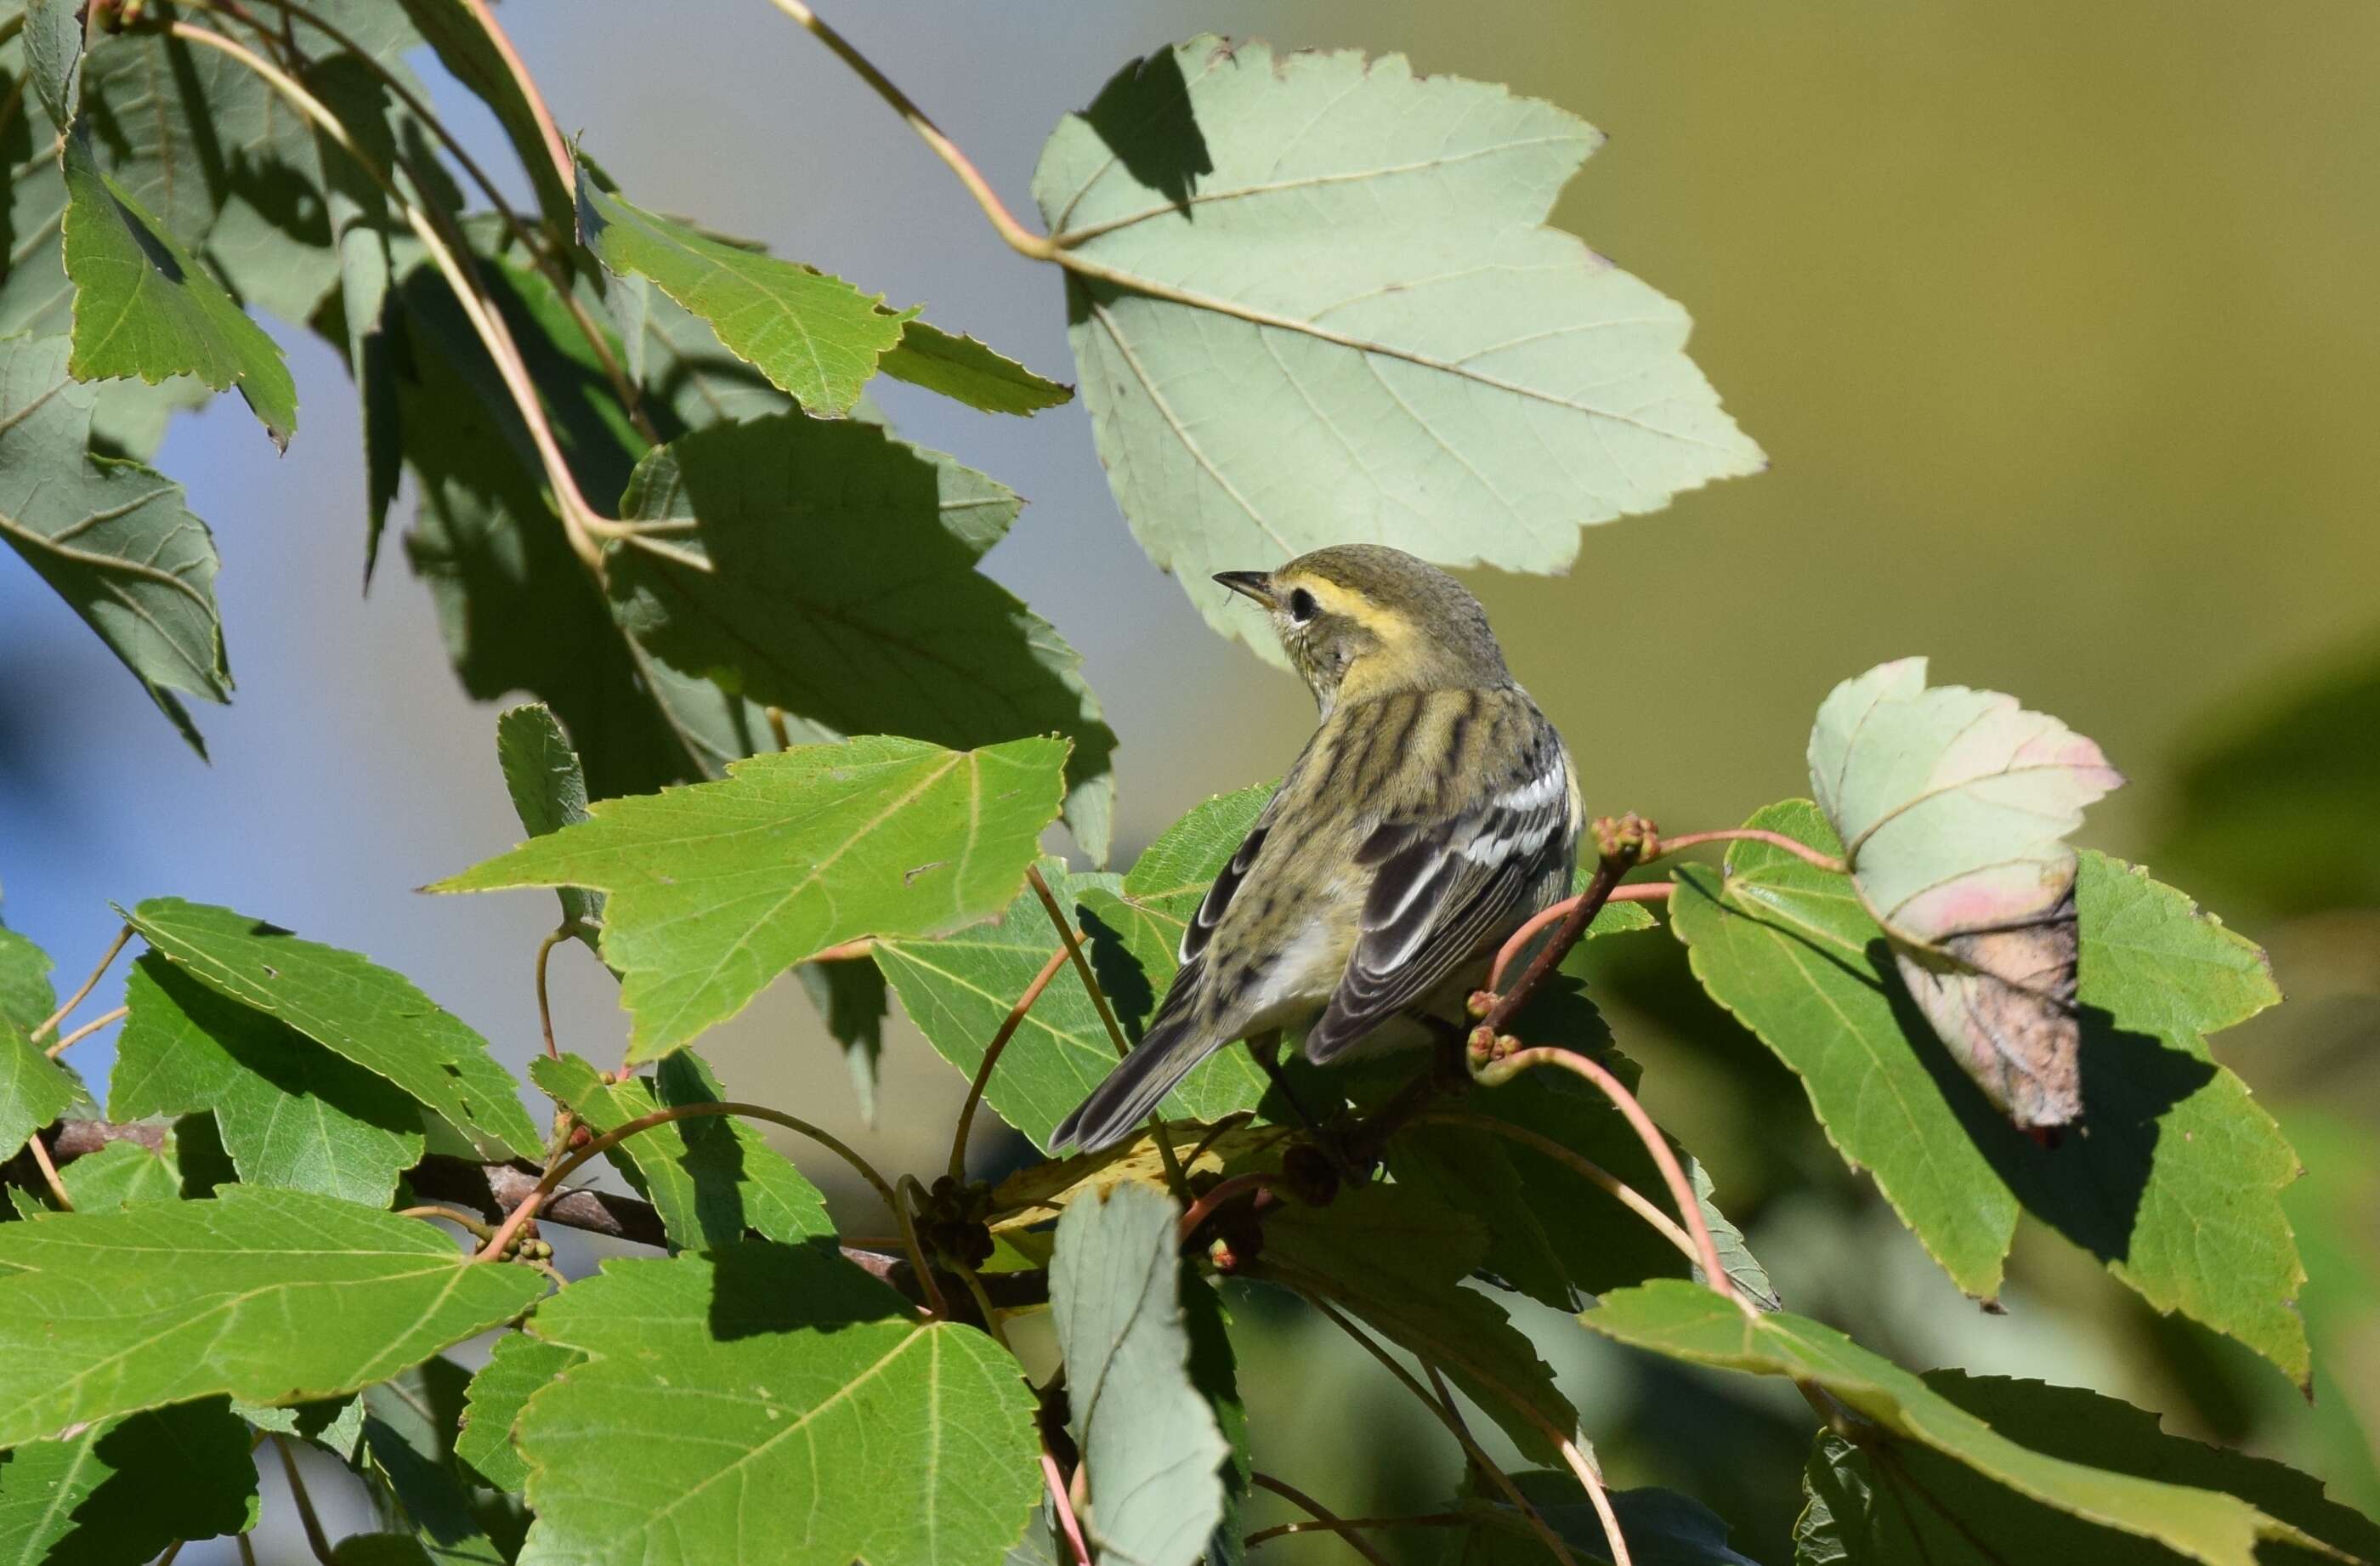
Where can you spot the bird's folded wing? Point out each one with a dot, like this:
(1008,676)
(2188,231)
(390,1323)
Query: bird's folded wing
(1443,889)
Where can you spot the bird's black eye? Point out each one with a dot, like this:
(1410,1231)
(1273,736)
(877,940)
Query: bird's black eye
(1302,606)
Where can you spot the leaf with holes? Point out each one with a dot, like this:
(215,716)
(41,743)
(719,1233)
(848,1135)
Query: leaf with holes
(717,888)
(1313,301)
(272,1297)
(767,1371)
(350,1005)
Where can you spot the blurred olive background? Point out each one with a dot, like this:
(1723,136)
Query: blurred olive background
(2057,324)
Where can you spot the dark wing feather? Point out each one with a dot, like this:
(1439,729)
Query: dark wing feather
(1201,927)
(1444,890)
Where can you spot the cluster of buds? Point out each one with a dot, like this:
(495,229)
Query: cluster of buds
(1630,839)
(953,1221)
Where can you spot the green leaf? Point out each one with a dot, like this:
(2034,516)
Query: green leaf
(762,1371)
(273,1296)
(54,42)
(843,589)
(1552,1235)
(1150,1444)
(518,1365)
(2177,1184)
(711,1178)
(548,792)
(1306,290)
(517,608)
(717,888)
(292,1114)
(121,1172)
(1688,1322)
(965,371)
(1954,806)
(1214,1371)
(111,537)
(1908,1503)
(851,1000)
(959,989)
(352,1006)
(1661,1527)
(34,1090)
(26,996)
(118,1491)
(814,336)
(145,307)
(1397,1258)
(336,1425)
(459,31)
(426,1487)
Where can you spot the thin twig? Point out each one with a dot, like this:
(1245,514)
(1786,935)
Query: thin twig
(584,525)
(776,716)
(1472,1449)
(1573,915)
(316,1540)
(1060,1503)
(49,1173)
(528,1209)
(968,1276)
(1680,1190)
(86,1030)
(452,1214)
(561,932)
(992,1057)
(1320,1513)
(1591,1481)
(1225,1190)
(107,958)
(1023,240)
(1635,1201)
(555,146)
(1348,1524)
(1668,845)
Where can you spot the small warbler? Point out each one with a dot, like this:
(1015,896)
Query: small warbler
(1432,813)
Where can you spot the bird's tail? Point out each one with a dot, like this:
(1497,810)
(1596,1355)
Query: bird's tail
(1140,1083)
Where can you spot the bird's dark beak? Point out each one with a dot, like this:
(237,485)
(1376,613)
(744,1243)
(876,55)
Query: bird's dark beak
(1257,585)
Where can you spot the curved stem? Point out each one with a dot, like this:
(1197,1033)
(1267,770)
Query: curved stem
(1454,1426)
(974,1282)
(561,932)
(1062,1503)
(554,1177)
(455,1216)
(77,999)
(85,1031)
(1319,1513)
(316,1540)
(1635,1201)
(1681,1191)
(1224,1191)
(1571,925)
(543,257)
(1751,834)
(1021,239)
(1349,1524)
(584,526)
(992,1057)
(41,1152)
(554,147)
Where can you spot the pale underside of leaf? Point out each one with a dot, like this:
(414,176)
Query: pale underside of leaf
(1313,302)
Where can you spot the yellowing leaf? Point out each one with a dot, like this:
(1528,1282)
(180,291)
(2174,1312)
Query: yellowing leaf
(1953,805)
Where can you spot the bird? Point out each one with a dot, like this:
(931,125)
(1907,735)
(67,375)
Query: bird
(1434,810)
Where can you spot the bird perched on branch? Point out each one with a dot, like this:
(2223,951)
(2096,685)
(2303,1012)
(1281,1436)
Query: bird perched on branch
(1432,813)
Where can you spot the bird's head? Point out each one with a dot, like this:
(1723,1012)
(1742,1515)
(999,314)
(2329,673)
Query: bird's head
(1362,621)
